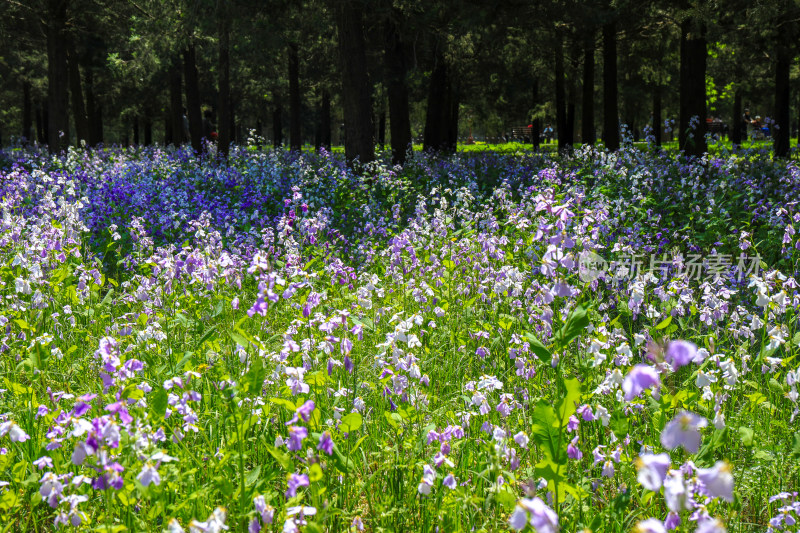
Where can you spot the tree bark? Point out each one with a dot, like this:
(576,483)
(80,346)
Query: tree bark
(325,120)
(561,109)
(587,109)
(382,129)
(193,98)
(57,76)
(277,123)
(76,92)
(148,129)
(93,110)
(693,52)
(26,111)
(356,90)
(41,120)
(397,89)
(136,131)
(610,96)
(536,124)
(295,138)
(657,113)
(736,132)
(224,64)
(782,129)
(439,113)
(176,104)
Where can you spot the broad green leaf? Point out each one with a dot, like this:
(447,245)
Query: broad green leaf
(158,403)
(664,323)
(576,322)
(538,348)
(253,380)
(351,422)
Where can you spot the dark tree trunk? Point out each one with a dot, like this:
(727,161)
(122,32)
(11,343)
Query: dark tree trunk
(193,98)
(561,108)
(782,129)
(136,131)
(176,104)
(57,76)
(41,121)
(167,129)
(318,127)
(93,110)
(295,138)
(26,111)
(46,123)
(569,137)
(587,109)
(657,125)
(610,103)
(277,123)
(692,84)
(382,129)
(452,123)
(224,105)
(76,92)
(439,112)
(397,89)
(325,120)
(537,125)
(356,90)
(148,129)
(738,130)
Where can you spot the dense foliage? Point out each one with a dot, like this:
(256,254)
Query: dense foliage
(275,342)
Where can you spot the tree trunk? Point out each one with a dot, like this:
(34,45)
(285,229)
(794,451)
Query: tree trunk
(561,108)
(356,90)
(41,120)
(569,137)
(46,124)
(738,127)
(587,109)
(536,124)
(93,110)
(224,104)
(193,98)
(657,125)
(148,129)
(167,129)
(136,131)
(26,111)
(440,108)
(325,120)
(176,104)
(692,112)
(452,120)
(57,76)
(277,123)
(397,89)
(610,99)
(782,129)
(76,92)
(295,138)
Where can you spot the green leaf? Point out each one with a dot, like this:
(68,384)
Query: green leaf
(538,348)
(619,424)
(284,460)
(133,392)
(545,432)
(158,403)
(351,422)
(253,380)
(746,435)
(796,446)
(664,323)
(576,322)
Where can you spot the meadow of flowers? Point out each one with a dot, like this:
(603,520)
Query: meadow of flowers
(277,343)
